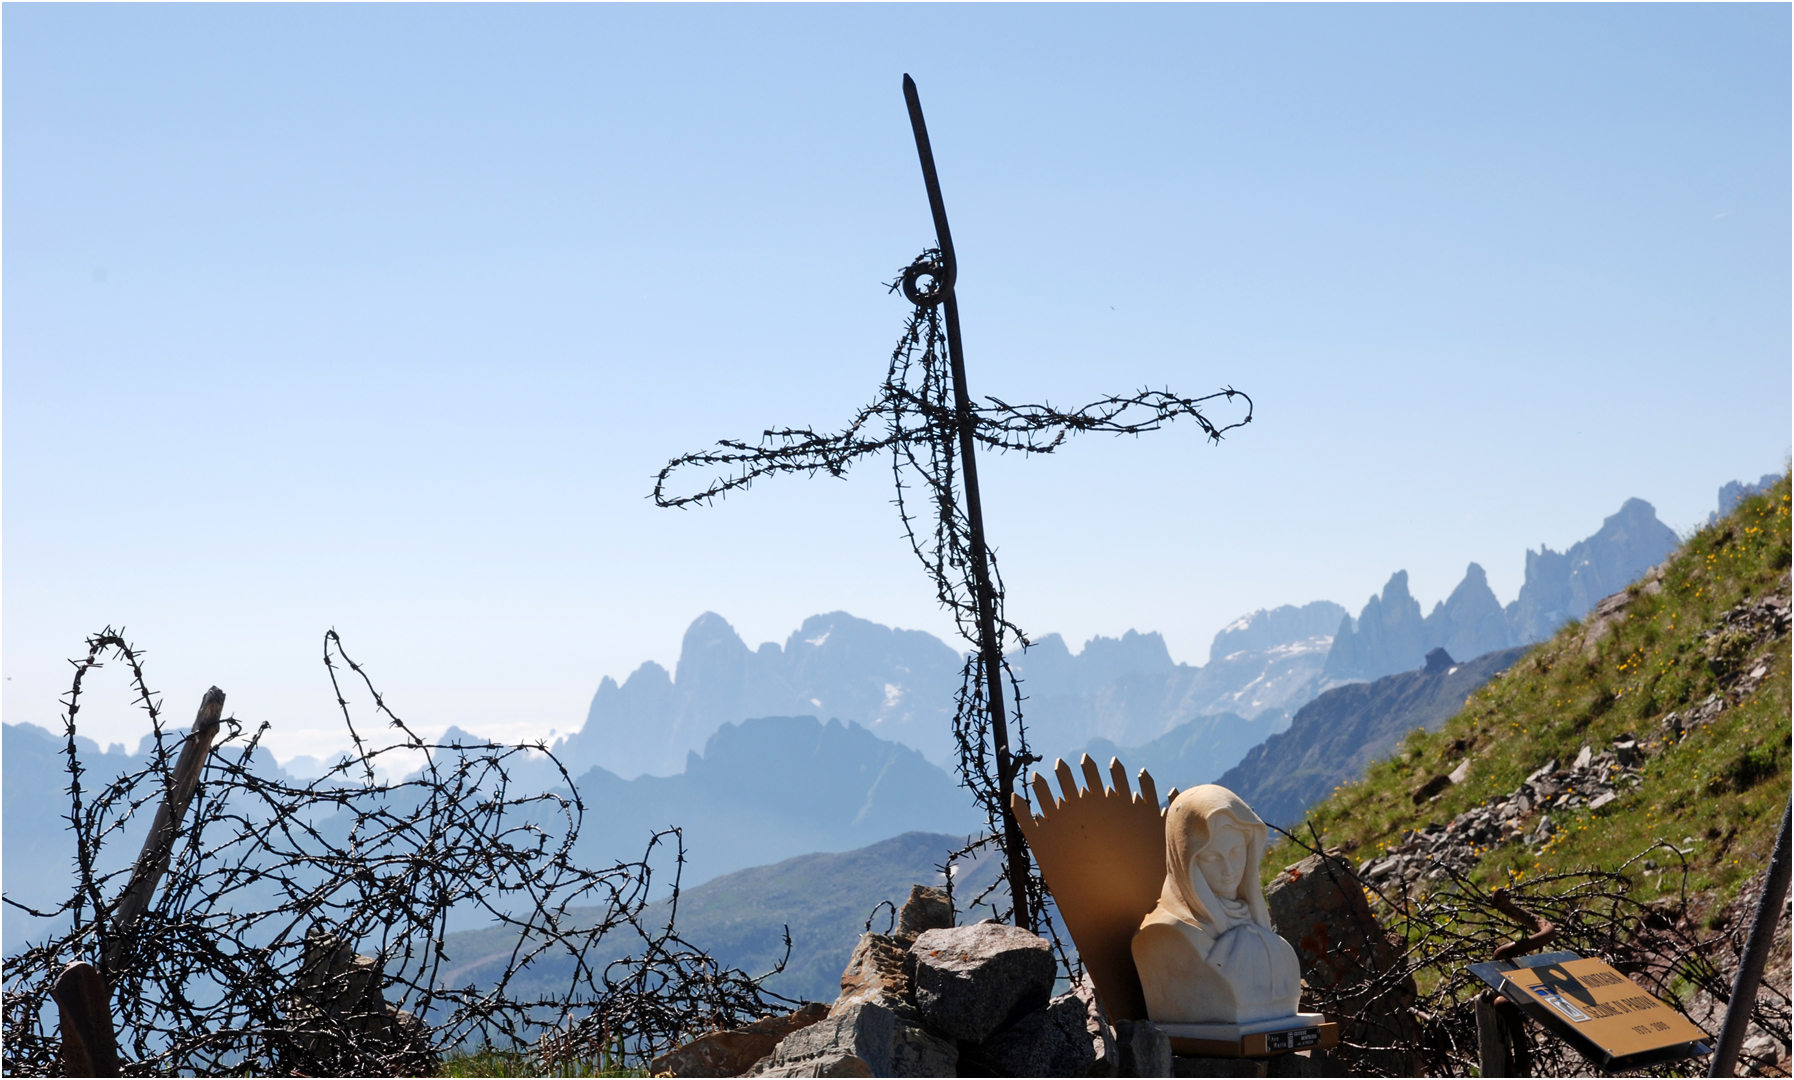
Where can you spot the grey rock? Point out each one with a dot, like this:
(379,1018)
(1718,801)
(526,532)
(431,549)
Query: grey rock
(1143,1049)
(1101,1038)
(839,1064)
(340,988)
(736,1051)
(1319,906)
(926,909)
(877,974)
(1054,1041)
(917,1052)
(970,982)
(865,1032)
(863,1035)
(1762,1048)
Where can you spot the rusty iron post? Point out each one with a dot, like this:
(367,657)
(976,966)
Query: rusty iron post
(990,646)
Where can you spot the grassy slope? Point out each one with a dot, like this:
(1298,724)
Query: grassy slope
(1722,788)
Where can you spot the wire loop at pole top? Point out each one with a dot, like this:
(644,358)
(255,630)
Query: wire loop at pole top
(940,285)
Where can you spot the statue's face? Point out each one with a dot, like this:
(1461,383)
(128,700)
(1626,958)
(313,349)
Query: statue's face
(1223,862)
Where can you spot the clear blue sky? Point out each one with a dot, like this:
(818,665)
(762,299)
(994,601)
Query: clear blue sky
(383,318)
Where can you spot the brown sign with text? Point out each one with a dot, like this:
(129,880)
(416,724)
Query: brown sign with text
(1605,1007)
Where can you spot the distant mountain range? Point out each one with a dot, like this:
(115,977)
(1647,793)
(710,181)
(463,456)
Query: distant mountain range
(741,917)
(764,790)
(39,850)
(1117,692)
(837,740)
(1334,737)
(770,788)
(898,684)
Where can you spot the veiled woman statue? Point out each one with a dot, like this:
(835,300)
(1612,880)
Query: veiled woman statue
(1207,953)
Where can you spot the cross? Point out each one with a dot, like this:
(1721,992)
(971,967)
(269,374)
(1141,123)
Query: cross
(932,429)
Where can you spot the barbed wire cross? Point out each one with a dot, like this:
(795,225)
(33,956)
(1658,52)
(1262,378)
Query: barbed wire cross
(925,418)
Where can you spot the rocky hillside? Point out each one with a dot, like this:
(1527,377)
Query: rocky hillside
(1335,736)
(1651,736)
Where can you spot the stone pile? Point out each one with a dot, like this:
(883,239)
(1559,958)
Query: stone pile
(929,999)
(1429,854)
(337,1018)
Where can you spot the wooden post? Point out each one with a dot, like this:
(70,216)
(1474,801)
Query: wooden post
(84,1014)
(158,847)
(1491,1039)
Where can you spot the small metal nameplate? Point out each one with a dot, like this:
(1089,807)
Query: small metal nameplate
(1293,1039)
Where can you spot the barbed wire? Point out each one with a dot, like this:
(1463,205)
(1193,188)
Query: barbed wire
(1411,1011)
(914,419)
(301,926)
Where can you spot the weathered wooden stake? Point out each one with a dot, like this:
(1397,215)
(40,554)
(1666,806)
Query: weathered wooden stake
(1491,1038)
(158,847)
(84,1017)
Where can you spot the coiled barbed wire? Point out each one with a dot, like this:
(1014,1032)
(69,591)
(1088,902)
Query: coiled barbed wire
(301,927)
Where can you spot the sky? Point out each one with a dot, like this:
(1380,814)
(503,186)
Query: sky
(383,318)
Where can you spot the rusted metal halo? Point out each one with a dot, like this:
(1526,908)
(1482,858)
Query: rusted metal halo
(925,298)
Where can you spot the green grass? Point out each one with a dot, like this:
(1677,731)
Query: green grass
(1723,786)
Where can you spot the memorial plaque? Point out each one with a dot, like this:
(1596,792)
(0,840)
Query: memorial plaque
(1610,1019)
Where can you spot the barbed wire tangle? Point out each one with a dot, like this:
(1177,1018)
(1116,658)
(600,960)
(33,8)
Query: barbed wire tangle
(302,926)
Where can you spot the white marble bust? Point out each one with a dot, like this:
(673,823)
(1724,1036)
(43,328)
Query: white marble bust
(1207,953)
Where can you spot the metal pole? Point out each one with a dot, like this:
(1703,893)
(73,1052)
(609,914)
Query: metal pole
(990,646)
(1756,954)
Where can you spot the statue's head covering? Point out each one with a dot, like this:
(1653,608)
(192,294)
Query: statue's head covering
(1195,816)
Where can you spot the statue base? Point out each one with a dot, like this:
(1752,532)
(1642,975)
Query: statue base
(1261,1038)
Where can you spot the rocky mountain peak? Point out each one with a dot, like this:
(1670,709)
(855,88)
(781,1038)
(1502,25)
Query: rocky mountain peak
(1285,625)
(898,683)
(1390,636)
